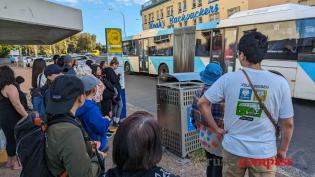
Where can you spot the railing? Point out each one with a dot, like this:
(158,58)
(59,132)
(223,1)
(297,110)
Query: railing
(151,3)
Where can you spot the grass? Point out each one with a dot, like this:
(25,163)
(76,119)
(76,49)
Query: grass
(198,156)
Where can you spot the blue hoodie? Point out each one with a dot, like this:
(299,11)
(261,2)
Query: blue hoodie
(93,122)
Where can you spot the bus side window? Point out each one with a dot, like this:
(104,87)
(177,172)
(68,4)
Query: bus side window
(130,48)
(161,46)
(306,42)
(282,39)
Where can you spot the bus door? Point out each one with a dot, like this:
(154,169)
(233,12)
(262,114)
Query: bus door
(230,49)
(216,48)
(143,56)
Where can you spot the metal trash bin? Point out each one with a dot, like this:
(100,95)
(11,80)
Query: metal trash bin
(174,102)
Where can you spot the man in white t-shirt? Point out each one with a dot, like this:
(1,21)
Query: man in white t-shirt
(249,136)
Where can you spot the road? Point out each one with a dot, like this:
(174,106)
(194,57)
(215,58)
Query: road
(141,92)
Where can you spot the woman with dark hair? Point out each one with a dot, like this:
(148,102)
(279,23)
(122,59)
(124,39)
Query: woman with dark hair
(12,108)
(97,72)
(137,148)
(104,64)
(55,58)
(38,77)
(61,61)
(114,78)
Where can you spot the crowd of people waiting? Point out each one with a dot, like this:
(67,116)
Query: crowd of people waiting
(230,129)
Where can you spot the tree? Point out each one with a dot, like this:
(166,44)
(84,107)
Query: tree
(5,50)
(86,42)
(79,43)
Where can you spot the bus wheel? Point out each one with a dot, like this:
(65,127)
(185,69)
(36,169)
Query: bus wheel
(163,71)
(127,68)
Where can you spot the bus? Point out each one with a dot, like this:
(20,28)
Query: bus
(291,45)
(152,51)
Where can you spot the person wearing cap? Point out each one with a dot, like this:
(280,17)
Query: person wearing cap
(90,114)
(68,65)
(209,140)
(67,149)
(51,72)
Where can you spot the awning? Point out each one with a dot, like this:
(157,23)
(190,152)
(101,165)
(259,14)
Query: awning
(37,22)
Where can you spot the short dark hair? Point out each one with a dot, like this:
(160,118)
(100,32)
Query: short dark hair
(114,61)
(55,58)
(60,61)
(137,143)
(102,64)
(89,62)
(6,76)
(254,45)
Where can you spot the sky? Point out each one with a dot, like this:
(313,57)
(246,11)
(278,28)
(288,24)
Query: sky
(101,14)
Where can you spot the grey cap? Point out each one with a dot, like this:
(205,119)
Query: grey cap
(67,58)
(89,82)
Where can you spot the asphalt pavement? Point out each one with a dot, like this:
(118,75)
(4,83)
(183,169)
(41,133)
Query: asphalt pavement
(141,92)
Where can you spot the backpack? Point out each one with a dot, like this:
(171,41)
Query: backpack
(37,96)
(30,147)
(30,136)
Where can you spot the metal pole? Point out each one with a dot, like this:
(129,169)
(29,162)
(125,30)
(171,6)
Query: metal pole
(123,16)
(124,22)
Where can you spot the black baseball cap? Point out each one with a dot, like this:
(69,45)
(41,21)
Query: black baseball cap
(63,93)
(52,69)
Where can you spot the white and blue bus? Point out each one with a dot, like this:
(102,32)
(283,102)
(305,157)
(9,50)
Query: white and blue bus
(291,48)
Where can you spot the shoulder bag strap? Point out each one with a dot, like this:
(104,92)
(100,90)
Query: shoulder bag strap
(261,104)
(39,80)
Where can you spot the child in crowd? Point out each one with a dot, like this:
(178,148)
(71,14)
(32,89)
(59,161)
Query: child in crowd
(90,115)
(210,141)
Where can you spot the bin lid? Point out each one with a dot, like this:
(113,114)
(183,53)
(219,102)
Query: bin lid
(181,77)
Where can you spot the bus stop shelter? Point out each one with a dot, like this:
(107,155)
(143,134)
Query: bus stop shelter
(37,22)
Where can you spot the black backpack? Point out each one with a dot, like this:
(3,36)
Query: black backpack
(30,136)
(30,147)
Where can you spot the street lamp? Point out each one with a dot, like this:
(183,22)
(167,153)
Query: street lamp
(123,16)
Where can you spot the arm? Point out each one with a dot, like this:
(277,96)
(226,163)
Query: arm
(13,95)
(98,123)
(206,109)
(286,136)
(74,155)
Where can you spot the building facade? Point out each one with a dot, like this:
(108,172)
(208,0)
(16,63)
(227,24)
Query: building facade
(180,13)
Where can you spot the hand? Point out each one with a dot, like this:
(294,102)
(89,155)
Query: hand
(104,155)
(220,131)
(281,154)
(95,145)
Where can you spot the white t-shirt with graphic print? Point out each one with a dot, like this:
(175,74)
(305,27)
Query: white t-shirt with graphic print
(250,133)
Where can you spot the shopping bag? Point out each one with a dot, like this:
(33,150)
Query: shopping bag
(3,152)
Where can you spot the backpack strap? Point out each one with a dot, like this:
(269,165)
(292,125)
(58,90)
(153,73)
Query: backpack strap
(55,119)
(39,79)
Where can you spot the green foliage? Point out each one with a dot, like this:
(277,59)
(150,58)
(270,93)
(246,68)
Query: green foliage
(5,50)
(79,43)
(198,156)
